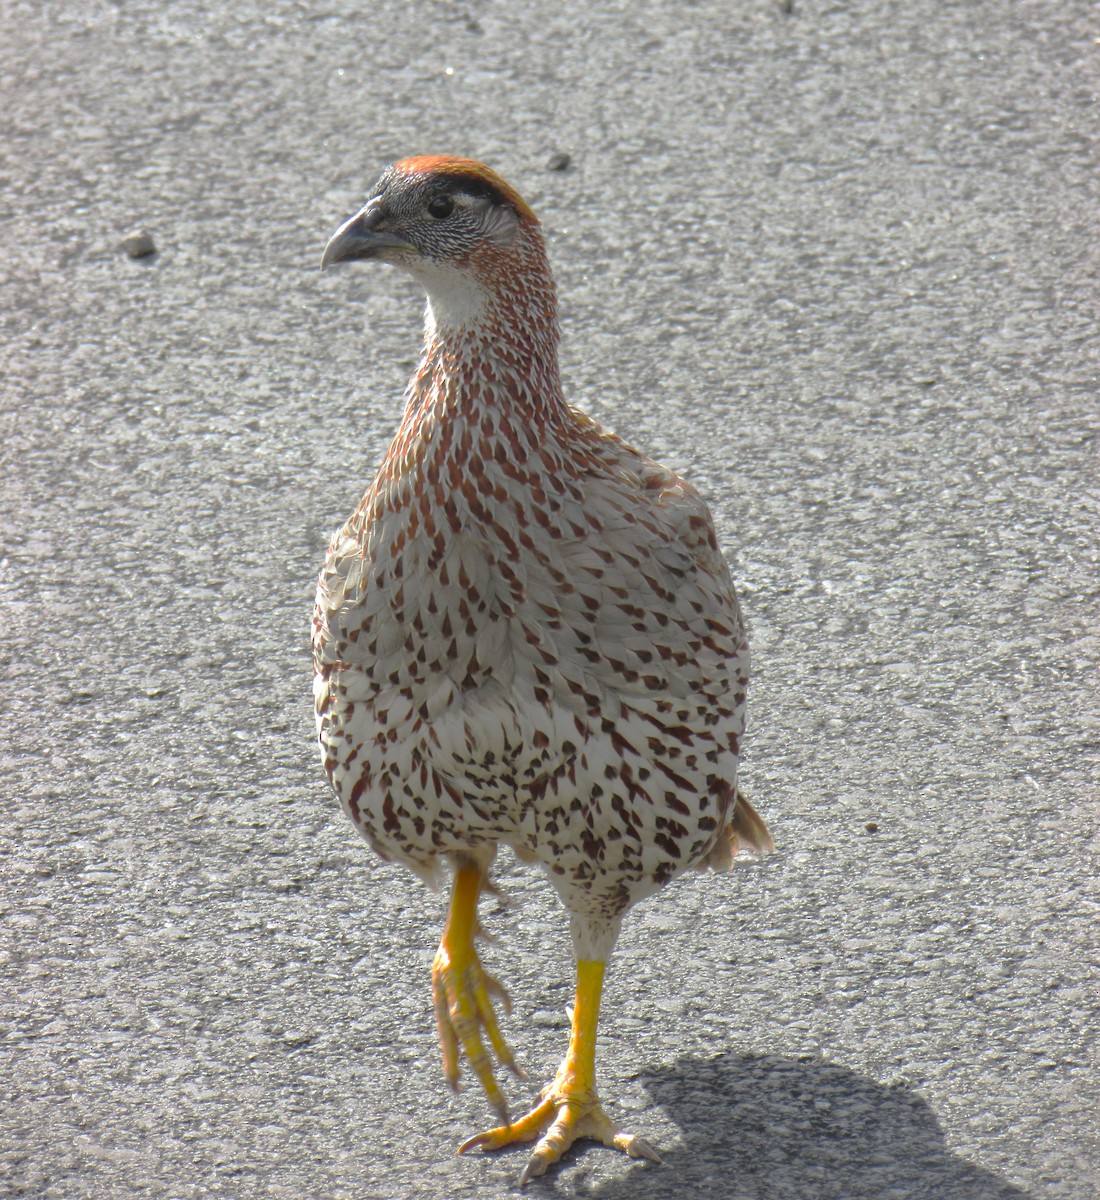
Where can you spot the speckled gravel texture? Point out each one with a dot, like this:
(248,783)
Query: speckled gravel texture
(839,266)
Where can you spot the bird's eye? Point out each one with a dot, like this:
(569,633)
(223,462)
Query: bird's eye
(440,207)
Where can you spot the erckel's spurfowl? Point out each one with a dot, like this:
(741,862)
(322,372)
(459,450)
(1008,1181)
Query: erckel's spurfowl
(525,635)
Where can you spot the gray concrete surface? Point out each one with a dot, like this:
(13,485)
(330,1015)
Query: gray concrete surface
(839,266)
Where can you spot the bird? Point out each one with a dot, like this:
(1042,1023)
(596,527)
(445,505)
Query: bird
(524,636)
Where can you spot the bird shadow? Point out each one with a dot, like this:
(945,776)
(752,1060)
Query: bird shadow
(771,1128)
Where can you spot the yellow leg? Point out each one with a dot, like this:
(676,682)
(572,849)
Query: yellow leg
(580,1058)
(463,991)
(568,1108)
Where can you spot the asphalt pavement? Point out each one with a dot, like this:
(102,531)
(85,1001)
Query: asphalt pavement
(837,264)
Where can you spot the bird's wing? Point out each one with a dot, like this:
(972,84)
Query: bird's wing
(663,611)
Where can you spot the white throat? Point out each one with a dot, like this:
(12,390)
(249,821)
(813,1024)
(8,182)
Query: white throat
(456,300)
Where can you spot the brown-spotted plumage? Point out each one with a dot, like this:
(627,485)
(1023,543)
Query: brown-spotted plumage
(525,634)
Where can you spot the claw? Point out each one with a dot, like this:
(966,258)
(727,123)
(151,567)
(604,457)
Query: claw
(495,988)
(635,1147)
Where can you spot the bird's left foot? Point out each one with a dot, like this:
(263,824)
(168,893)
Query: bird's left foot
(463,992)
(562,1116)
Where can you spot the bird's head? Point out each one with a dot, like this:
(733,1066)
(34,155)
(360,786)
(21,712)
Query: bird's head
(456,227)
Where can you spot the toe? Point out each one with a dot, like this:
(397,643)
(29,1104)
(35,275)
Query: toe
(448,1039)
(484,989)
(552,1145)
(536,1165)
(527,1129)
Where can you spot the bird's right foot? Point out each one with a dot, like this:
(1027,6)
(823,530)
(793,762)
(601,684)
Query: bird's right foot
(463,993)
(563,1115)
(568,1108)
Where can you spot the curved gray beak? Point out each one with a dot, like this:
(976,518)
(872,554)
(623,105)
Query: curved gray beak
(361,237)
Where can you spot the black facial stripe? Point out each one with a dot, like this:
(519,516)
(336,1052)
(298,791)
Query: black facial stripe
(471,185)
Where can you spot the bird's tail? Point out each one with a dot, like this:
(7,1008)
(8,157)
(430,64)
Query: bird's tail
(746,831)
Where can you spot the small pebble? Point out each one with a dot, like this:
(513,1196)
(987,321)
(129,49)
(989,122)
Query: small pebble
(138,244)
(871,827)
(549,1020)
(558,162)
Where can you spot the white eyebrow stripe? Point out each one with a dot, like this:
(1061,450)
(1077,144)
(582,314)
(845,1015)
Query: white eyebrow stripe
(469,199)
